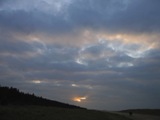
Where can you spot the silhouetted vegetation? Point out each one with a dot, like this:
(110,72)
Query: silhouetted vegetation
(12,96)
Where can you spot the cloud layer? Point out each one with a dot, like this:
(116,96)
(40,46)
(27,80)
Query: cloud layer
(106,51)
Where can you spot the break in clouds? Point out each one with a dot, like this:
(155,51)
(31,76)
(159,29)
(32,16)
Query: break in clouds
(101,54)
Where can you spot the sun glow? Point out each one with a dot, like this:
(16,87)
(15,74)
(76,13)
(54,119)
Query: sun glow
(79,99)
(36,81)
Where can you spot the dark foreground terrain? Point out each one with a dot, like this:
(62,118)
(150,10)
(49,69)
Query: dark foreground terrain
(154,112)
(52,113)
(141,114)
(16,105)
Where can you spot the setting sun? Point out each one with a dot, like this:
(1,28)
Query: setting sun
(79,99)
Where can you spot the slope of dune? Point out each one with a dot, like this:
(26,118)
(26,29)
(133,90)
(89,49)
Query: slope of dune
(52,113)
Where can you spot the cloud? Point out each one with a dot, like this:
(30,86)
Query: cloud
(18,47)
(107,50)
(48,16)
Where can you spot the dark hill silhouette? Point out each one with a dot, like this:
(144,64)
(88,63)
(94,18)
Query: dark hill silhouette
(12,96)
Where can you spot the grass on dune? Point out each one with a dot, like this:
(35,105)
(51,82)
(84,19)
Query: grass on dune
(51,113)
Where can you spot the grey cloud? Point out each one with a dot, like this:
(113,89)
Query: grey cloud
(106,66)
(131,90)
(133,16)
(110,15)
(140,16)
(93,13)
(16,47)
(33,21)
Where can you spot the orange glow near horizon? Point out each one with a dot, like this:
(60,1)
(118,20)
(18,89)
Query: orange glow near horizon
(79,99)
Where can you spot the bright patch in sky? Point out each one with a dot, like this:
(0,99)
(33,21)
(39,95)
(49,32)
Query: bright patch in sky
(36,81)
(79,99)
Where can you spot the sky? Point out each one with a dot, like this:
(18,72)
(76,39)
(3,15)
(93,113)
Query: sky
(98,54)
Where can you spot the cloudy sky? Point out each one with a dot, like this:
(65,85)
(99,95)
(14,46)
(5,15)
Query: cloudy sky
(99,54)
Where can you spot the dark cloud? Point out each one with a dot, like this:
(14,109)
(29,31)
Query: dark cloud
(133,16)
(120,69)
(33,21)
(139,16)
(15,47)
(110,15)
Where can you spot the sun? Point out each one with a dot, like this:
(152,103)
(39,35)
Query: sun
(79,99)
